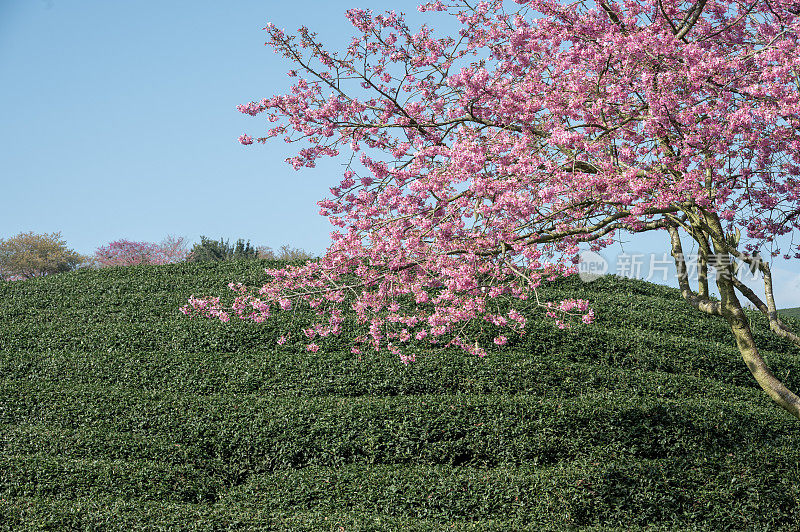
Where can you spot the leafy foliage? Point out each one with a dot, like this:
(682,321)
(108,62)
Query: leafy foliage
(29,255)
(208,250)
(286,253)
(117,412)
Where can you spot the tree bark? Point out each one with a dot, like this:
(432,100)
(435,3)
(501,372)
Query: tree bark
(779,393)
(730,308)
(740,327)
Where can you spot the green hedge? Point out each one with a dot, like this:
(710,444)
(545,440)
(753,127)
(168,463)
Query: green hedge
(590,492)
(292,373)
(115,514)
(232,437)
(790,312)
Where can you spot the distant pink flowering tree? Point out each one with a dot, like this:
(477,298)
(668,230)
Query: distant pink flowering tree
(129,253)
(173,249)
(480,162)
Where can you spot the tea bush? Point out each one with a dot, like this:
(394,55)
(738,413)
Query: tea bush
(118,412)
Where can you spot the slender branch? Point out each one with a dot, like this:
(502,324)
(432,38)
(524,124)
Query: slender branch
(703,304)
(775,324)
(689,23)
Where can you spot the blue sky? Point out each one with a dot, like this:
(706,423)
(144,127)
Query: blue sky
(119,120)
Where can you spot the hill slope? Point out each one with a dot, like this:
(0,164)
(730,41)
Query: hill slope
(790,312)
(118,412)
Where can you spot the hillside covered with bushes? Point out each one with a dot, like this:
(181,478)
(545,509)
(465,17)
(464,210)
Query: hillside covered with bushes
(118,412)
(790,312)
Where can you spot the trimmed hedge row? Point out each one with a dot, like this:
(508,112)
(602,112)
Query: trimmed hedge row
(588,492)
(232,437)
(115,514)
(286,373)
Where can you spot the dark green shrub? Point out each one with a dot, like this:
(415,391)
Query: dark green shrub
(213,251)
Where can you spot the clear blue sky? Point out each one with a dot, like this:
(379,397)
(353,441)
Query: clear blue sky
(119,121)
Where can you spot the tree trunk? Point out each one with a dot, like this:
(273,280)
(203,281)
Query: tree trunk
(730,308)
(757,366)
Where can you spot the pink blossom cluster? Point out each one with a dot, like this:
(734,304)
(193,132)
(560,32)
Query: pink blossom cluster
(389,319)
(129,253)
(482,162)
(209,307)
(570,305)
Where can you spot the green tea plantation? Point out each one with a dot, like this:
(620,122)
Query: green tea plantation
(119,413)
(790,312)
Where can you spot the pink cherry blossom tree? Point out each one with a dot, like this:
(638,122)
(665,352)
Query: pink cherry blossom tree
(480,162)
(129,253)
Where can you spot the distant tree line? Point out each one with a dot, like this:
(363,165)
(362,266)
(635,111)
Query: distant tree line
(30,254)
(208,250)
(218,250)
